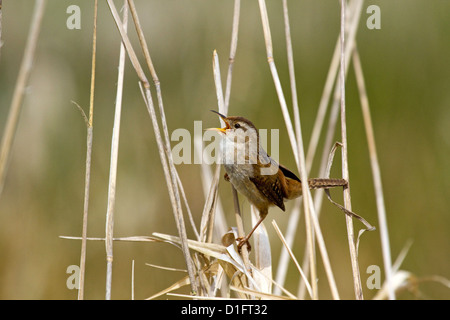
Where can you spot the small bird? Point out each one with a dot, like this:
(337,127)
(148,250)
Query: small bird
(255,174)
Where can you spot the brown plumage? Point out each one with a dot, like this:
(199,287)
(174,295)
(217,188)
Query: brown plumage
(261,190)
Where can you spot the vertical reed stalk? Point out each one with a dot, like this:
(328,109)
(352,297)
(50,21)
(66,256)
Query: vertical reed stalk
(345,173)
(87,180)
(233,48)
(381,209)
(298,152)
(113,164)
(1,23)
(164,151)
(19,90)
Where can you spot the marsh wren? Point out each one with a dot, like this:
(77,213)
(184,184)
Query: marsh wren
(255,174)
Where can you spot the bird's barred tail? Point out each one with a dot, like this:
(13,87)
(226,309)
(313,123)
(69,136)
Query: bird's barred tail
(318,183)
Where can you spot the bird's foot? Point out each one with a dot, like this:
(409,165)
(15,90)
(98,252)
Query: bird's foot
(242,241)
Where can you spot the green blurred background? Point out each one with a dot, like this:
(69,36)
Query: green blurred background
(407,72)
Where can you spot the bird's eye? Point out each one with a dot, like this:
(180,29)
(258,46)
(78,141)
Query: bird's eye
(237,125)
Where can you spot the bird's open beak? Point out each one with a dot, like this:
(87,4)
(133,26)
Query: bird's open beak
(227,125)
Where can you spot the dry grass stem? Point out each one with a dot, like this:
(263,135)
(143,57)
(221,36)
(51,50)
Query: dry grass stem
(296,144)
(345,173)
(176,182)
(291,254)
(114,158)
(132,279)
(376,173)
(20,88)
(233,48)
(355,8)
(1,23)
(89,138)
(221,107)
(212,268)
(164,149)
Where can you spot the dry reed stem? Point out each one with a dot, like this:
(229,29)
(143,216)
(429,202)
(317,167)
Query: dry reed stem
(132,279)
(20,88)
(345,173)
(356,8)
(221,107)
(1,23)
(381,209)
(208,180)
(291,254)
(298,153)
(174,179)
(176,182)
(188,209)
(163,152)
(87,181)
(113,165)
(295,214)
(303,167)
(208,217)
(207,221)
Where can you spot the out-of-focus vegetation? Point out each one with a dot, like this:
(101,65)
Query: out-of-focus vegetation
(407,71)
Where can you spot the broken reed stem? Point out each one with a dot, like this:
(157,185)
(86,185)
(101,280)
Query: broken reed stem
(89,139)
(381,209)
(20,88)
(345,174)
(113,165)
(298,153)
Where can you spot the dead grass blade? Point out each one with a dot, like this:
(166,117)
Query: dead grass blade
(20,88)
(87,179)
(376,173)
(114,159)
(291,254)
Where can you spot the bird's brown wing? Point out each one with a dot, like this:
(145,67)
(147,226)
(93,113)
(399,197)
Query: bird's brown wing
(288,173)
(272,187)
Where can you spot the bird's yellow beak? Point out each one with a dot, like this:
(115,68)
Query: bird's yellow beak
(227,125)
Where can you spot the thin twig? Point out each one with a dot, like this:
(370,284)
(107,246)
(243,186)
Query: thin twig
(345,174)
(87,181)
(20,88)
